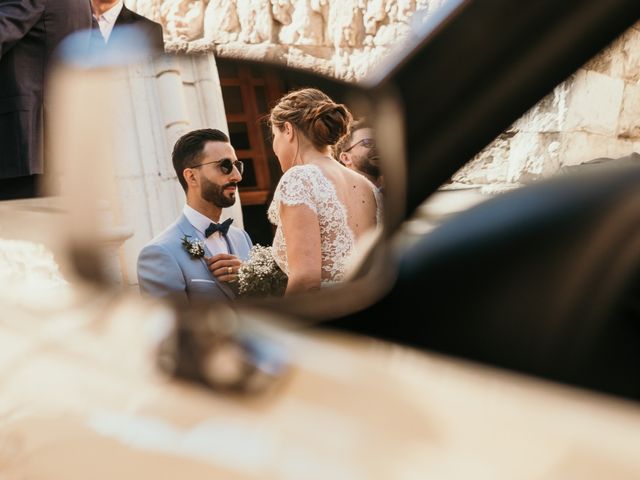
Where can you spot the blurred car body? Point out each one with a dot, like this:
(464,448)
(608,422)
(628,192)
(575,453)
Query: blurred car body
(82,398)
(542,279)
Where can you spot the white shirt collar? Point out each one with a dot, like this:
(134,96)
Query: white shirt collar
(112,14)
(107,20)
(199,221)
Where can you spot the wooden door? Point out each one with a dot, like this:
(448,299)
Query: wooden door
(249,93)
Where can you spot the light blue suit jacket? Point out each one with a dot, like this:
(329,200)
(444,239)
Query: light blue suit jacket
(165,268)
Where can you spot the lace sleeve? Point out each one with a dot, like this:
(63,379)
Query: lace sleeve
(296,187)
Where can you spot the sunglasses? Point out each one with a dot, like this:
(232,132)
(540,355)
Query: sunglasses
(226,165)
(366,142)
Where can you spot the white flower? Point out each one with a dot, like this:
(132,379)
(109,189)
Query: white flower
(260,275)
(195,248)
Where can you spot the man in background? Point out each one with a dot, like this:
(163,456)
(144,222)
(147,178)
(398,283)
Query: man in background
(358,152)
(29,33)
(111,14)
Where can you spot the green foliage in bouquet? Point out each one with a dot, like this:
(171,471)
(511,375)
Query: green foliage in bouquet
(260,275)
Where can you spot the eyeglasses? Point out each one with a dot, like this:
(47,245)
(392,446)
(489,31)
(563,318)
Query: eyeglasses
(366,142)
(226,165)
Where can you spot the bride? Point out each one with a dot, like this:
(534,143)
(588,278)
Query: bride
(321,208)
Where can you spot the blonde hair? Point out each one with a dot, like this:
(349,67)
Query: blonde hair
(313,113)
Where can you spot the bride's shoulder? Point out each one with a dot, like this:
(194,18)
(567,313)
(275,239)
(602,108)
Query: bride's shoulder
(302,173)
(360,180)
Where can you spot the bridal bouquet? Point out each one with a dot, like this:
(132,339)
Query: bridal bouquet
(260,275)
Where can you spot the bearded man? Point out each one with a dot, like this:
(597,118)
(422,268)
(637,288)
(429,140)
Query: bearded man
(358,152)
(196,257)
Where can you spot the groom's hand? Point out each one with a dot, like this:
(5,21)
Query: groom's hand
(224,266)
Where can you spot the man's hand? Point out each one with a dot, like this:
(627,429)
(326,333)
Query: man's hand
(224,266)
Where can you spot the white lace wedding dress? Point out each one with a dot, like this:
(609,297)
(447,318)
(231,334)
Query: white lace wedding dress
(307,185)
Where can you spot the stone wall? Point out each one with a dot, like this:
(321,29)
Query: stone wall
(340,38)
(594,113)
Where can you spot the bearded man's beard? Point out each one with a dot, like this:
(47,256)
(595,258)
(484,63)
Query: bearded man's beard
(369,165)
(214,194)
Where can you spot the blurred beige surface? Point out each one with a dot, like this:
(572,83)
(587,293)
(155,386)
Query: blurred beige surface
(80,399)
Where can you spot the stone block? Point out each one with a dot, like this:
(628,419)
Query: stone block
(265,52)
(202,45)
(593,103)
(547,115)
(404,10)
(512,159)
(374,14)
(256,21)
(354,64)
(489,166)
(175,46)
(320,52)
(282,11)
(630,55)
(532,156)
(345,24)
(629,122)
(608,61)
(306,25)
(306,28)
(317,59)
(393,34)
(221,21)
(620,59)
(183,20)
(580,147)
(149,8)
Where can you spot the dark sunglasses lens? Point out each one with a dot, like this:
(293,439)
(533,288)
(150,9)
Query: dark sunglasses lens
(226,166)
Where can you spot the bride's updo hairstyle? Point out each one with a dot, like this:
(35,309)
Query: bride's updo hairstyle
(313,113)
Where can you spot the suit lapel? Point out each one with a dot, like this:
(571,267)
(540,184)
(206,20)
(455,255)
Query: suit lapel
(125,17)
(229,244)
(187,229)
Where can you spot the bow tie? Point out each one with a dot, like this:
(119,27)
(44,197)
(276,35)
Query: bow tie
(223,227)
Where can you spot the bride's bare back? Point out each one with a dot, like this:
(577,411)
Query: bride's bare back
(343,203)
(356,194)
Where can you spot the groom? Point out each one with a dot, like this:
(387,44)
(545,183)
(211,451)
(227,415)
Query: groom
(196,257)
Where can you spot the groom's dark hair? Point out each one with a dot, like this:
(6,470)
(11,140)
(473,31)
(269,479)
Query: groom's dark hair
(188,149)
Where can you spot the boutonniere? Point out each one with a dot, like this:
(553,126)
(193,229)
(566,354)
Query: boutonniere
(195,248)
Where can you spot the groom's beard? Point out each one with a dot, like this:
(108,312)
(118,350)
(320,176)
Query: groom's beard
(214,194)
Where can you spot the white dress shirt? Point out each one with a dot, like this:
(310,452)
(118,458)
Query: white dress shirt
(215,243)
(107,20)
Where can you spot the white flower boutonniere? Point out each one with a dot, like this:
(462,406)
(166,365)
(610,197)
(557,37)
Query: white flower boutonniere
(195,248)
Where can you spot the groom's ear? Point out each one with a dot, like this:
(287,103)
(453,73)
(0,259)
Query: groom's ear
(189,177)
